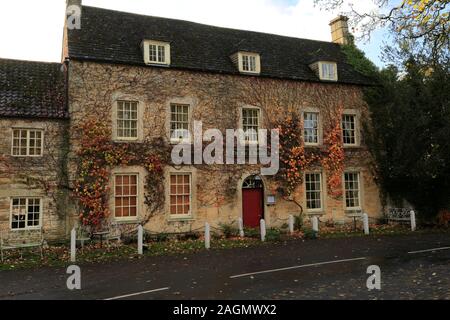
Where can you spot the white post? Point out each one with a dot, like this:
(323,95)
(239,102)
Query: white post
(241,228)
(207,236)
(315,223)
(291,224)
(366,224)
(263,230)
(140,240)
(413,221)
(73,245)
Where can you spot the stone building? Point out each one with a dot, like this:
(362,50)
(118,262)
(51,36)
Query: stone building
(33,146)
(145,78)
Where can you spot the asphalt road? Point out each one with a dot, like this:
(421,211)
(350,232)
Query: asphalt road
(320,269)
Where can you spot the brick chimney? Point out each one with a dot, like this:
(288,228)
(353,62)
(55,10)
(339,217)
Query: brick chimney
(339,30)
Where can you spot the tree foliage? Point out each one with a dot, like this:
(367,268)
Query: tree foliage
(423,21)
(410,128)
(359,61)
(98,154)
(409,134)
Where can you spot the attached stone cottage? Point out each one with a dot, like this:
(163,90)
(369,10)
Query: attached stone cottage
(133,81)
(33,144)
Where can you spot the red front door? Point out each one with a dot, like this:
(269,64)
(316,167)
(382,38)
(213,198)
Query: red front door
(252,207)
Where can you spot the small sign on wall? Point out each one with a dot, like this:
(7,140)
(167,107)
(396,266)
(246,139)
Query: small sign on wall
(271,200)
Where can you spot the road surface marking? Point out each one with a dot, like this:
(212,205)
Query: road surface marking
(429,250)
(136,294)
(296,267)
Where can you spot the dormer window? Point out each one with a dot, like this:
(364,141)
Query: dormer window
(328,71)
(325,70)
(156,52)
(247,62)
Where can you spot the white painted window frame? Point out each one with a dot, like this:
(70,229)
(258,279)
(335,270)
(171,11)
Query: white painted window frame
(118,97)
(28,130)
(41,211)
(146,52)
(319,127)
(322,204)
(358,173)
(241,123)
(138,198)
(181,217)
(326,77)
(138,127)
(355,114)
(257,57)
(141,172)
(188,139)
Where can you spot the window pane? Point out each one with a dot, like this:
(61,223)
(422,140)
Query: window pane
(16,142)
(311,127)
(328,71)
(252,63)
(127,118)
(179,124)
(25,213)
(180,194)
(161,54)
(26,142)
(250,124)
(245,63)
(34,212)
(349,129)
(352,190)
(153,53)
(125,195)
(313,184)
(248,63)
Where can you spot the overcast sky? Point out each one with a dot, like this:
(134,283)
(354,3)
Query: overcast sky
(32,29)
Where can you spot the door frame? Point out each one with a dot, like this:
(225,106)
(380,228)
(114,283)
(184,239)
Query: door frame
(240,198)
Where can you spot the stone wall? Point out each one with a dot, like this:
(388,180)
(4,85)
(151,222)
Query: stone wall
(216,100)
(38,177)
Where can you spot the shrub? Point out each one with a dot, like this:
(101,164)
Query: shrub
(382,221)
(162,237)
(444,218)
(309,233)
(251,233)
(189,236)
(129,239)
(298,222)
(216,235)
(273,235)
(228,230)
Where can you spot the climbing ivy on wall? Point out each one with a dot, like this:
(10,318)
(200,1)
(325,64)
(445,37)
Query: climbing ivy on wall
(334,156)
(295,159)
(97,155)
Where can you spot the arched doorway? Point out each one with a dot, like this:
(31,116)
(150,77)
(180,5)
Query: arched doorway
(252,201)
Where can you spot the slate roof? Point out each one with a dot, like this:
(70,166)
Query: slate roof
(115,37)
(32,89)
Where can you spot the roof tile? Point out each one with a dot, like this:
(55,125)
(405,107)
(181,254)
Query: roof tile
(32,89)
(113,36)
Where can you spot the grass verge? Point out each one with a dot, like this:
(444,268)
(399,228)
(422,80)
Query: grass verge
(59,255)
